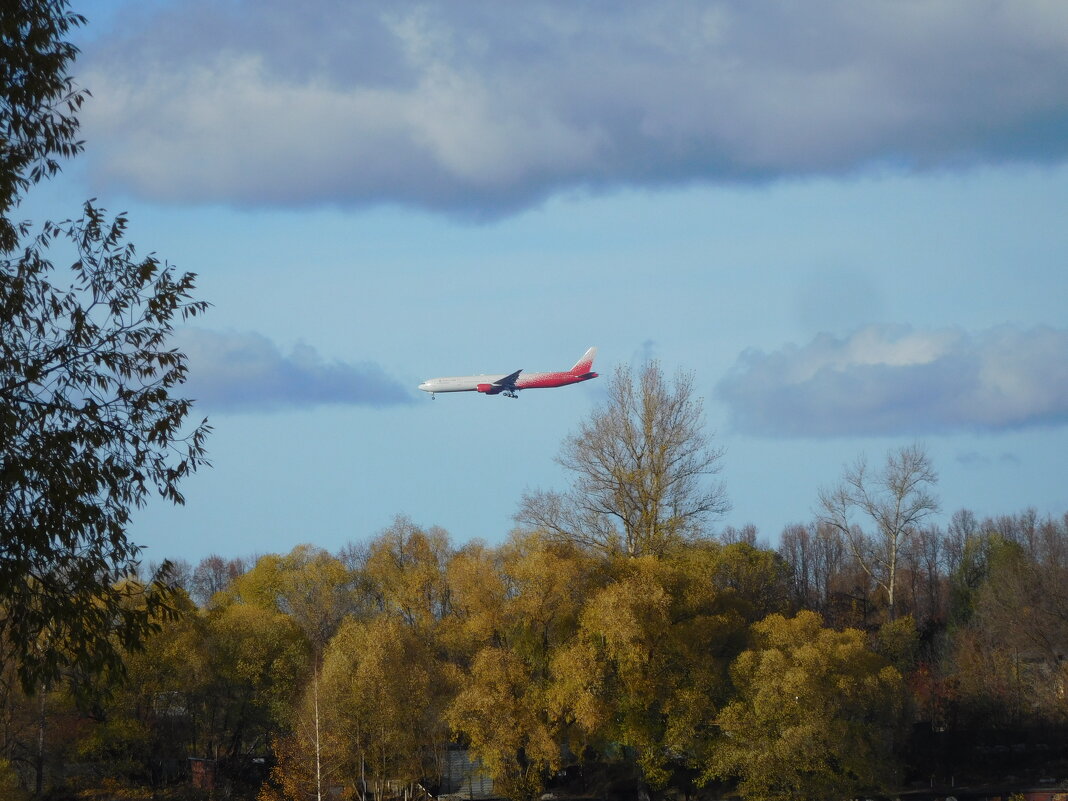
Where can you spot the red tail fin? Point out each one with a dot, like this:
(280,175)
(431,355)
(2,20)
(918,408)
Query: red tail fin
(585,364)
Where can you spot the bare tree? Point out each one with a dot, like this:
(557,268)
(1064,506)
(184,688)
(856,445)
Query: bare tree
(817,556)
(924,561)
(747,534)
(212,575)
(181,573)
(962,527)
(795,547)
(896,499)
(642,465)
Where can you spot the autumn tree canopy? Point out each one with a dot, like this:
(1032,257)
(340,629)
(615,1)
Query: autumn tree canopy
(815,716)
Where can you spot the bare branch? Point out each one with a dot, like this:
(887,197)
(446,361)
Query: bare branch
(642,467)
(896,500)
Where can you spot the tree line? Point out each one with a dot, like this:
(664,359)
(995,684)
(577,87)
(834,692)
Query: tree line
(717,664)
(611,637)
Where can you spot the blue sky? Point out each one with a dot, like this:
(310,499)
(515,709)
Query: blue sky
(845,218)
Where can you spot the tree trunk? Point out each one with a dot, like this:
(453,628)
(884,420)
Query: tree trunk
(38,762)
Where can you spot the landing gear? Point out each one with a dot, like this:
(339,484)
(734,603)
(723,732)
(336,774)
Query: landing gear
(510,393)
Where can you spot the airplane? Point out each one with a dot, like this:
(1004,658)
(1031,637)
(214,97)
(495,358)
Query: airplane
(509,385)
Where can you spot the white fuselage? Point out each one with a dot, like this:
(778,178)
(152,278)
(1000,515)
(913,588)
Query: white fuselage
(508,384)
(462,383)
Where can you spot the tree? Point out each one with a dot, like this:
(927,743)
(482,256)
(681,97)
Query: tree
(757,577)
(817,558)
(478,595)
(518,610)
(896,499)
(123,727)
(38,100)
(548,583)
(212,575)
(924,561)
(648,666)
(641,464)
(815,716)
(315,591)
(406,569)
(1012,616)
(308,584)
(150,715)
(90,430)
(87,419)
(38,734)
(501,709)
(383,694)
(255,662)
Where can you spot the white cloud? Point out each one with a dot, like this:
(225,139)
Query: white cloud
(883,380)
(235,372)
(484,108)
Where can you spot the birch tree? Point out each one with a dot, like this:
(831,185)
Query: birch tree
(520,609)
(383,695)
(896,499)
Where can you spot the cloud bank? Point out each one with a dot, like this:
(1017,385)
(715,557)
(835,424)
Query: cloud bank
(237,372)
(886,381)
(484,108)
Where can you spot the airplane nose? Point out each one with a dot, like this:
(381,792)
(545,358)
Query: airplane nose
(425,386)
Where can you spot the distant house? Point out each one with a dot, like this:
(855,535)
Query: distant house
(464,777)
(1044,673)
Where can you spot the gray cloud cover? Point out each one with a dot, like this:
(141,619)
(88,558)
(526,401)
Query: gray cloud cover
(235,372)
(484,108)
(884,380)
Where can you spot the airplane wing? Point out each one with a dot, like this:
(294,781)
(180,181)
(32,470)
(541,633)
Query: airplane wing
(508,382)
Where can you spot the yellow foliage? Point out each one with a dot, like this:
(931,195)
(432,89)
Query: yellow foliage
(381,695)
(406,565)
(477,595)
(815,716)
(648,665)
(501,710)
(9,783)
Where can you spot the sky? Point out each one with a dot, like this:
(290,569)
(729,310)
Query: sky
(845,219)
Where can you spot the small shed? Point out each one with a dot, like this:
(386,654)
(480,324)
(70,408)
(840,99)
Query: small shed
(202,773)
